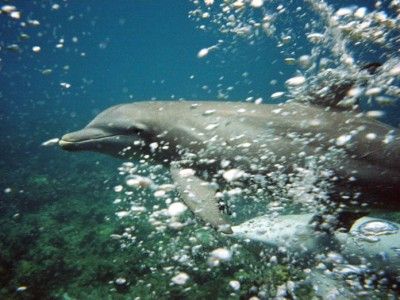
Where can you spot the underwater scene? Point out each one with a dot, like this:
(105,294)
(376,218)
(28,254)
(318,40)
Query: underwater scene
(199,149)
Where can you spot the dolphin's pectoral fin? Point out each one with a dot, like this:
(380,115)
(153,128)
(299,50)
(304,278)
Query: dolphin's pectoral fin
(200,198)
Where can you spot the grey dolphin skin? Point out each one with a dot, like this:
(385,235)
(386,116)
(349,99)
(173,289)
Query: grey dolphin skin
(373,239)
(200,141)
(371,244)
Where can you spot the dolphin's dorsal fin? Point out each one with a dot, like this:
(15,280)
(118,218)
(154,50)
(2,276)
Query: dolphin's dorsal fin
(198,195)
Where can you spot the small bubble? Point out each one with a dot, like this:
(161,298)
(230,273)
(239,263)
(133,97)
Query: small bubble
(180,279)
(15,15)
(8,8)
(373,91)
(209,112)
(343,139)
(34,23)
(234,284)
(315,37)
(257,3)
(202,53)
(277,95)
(122,214)
(186,172)
(290,61)
(304,61)
(159,194)
(118,188)
(176,209)
(47,71)
(233,174)
(65,85)
(371,136)
(296,81)
(221,254)
(21,288)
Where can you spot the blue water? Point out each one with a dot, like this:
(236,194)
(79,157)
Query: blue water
(133,50)
(114,52)
(125,51)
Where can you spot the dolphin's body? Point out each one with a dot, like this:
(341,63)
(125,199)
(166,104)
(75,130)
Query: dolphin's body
(371,241)
(371,245)
(358,157)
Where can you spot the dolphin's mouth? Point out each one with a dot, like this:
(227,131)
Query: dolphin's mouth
(63,141)
(70,145)
(64,144)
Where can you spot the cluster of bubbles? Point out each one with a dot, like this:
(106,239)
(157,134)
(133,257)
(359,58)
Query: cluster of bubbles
(147,196)
(341,41)
(335,56)
(31,40)
(147,199)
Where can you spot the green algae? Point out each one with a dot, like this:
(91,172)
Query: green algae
(39,181)
(55,240)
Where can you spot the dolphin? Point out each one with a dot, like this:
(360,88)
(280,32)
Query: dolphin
(356,159)
(370,245)
(372,239)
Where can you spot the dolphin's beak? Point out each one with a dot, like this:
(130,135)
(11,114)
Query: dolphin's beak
(64,144)
(67,144)
(79,140)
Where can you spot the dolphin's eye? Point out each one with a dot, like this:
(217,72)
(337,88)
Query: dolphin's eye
(131,131)
(123,129)
(136,128)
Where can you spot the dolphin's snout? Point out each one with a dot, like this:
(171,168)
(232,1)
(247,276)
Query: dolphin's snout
(75,140)
(84,135)
(67,144)
(64,144)
(88,138)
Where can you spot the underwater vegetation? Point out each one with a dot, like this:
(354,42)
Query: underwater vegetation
(56,241)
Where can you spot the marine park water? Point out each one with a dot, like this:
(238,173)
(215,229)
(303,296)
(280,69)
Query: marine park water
(199,149)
